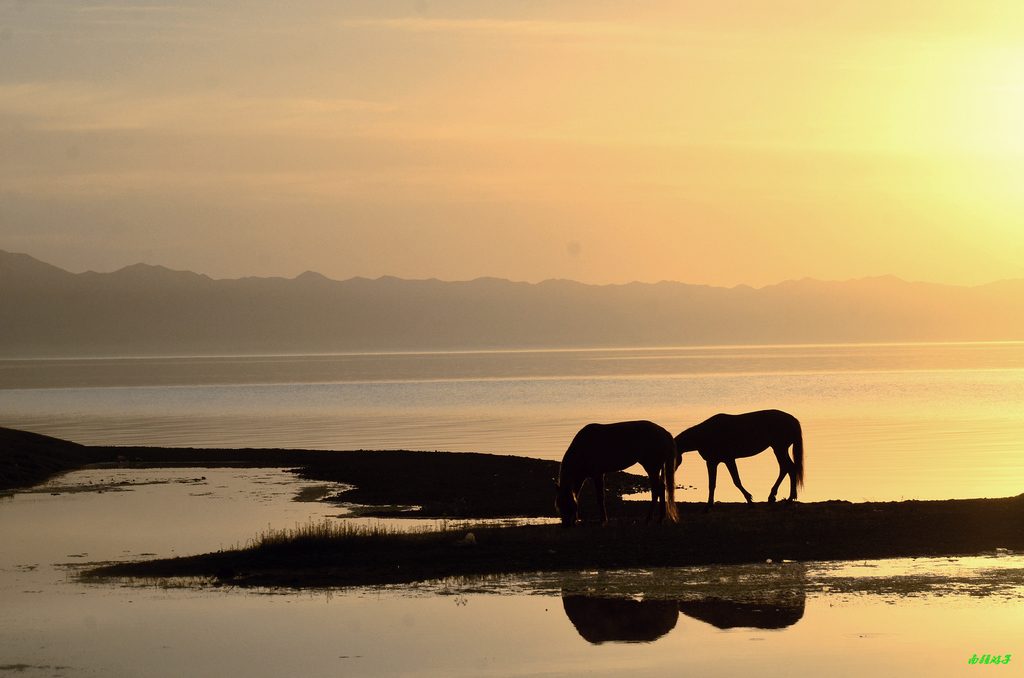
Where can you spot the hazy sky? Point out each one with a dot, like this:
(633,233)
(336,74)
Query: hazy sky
(721,142)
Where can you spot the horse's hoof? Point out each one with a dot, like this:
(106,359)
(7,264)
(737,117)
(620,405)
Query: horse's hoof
(771,500)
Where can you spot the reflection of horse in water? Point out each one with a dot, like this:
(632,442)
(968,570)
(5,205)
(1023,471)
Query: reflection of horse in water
(600,448)
(605,619)
(730,614)
(623,620)
(724,438)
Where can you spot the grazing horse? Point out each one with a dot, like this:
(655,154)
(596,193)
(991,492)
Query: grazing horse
(600,448)
(724,438)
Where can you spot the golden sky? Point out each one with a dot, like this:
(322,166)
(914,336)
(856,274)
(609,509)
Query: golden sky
(719,142)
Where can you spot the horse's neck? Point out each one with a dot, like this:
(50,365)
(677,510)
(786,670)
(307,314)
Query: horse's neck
(572,473)
(689,443)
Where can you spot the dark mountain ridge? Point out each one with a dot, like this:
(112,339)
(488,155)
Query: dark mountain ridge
(151,310)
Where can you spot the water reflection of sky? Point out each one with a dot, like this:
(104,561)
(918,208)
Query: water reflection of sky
(908,616)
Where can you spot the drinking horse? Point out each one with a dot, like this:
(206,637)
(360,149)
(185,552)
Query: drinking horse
(600,448)
(724,438)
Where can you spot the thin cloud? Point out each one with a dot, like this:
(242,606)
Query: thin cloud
(600,34)
(79,106)
(135,8)
(495,26)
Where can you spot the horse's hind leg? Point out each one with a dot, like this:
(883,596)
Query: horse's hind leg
(599,489)
(792,473)
(657,512)
(786,467)
(735,473)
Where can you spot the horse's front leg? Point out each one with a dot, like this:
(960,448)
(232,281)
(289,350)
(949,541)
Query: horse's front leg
(599,489)
(712,479)
(735,473)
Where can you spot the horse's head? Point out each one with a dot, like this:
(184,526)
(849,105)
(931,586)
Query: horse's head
(566,504)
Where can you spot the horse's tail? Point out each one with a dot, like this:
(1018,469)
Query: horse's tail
(669,474)
(798,455)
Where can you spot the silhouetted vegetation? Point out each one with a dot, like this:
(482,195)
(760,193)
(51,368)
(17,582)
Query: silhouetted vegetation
(319,555)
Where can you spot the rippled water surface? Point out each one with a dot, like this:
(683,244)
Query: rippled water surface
(886,422)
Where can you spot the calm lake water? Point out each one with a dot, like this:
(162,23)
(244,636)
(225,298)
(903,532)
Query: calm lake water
(880,423)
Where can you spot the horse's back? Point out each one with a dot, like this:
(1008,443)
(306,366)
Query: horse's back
(747,431)
(762,421)
(771,420)
(613,447)
(622,434)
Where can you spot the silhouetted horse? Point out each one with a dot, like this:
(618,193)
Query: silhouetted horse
(724,438)
(731,614)
(600,619)
(600,448)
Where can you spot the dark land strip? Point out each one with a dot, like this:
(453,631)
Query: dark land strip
(473,486)
(434,484)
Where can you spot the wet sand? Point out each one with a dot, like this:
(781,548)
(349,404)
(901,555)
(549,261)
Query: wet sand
(472,486)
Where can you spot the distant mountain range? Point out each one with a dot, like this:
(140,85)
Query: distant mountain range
(151,310)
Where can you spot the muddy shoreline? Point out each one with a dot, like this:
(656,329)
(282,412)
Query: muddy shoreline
(427,484)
